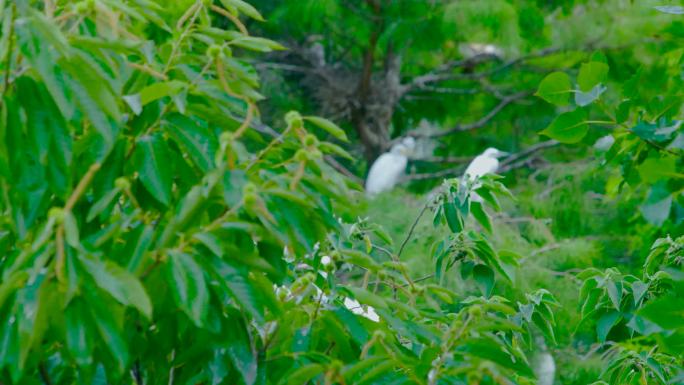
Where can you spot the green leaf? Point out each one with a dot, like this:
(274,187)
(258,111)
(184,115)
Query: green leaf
(188,286)
(110,330)
(71,233)
(102,204)
(586,98)
(614,290)
(196,140)
(243,290)
(240,349)
(656,213)
(592,74)
(243,7)
(666,312)
(657,168)
(159,90)
(303,374)
(481,216)
(555,89)
(329,127)
(454,219)
(606,323)
(258,44)
(119,283)
(484,276)
(639,289)
(568,127)
(79,333)
(152,161)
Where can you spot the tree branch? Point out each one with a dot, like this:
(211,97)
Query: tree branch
(506,100)
(510,162)
(341,169)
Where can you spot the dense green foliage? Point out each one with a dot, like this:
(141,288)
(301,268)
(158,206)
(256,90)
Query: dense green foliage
(153,230)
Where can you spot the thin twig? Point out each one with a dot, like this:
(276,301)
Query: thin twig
(413,227)
(232,18)
(82,185)
(482,121)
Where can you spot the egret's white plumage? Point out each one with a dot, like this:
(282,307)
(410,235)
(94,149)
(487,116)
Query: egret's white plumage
(386,171)
(545,369)
(483,164)
(470,50)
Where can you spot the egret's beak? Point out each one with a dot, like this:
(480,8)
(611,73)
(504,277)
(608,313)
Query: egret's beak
(503,154)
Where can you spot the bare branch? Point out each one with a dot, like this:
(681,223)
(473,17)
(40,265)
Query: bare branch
(437,174)
(341,169)
(482,121)
(513,159)
(444,159)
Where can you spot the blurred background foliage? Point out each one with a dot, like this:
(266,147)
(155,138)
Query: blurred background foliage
(168,219)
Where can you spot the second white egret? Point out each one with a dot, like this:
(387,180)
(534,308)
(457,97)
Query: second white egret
(387,170)
(483,164)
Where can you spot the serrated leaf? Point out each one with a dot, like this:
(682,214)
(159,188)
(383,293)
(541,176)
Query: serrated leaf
(188,286)
(152,161)
(119,283)
(196,140)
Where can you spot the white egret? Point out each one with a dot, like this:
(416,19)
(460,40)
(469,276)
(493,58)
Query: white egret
(483,164)
(545,369)
(386,171)
(471,50)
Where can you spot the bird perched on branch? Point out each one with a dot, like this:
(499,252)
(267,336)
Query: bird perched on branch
(387,170)
(483,164)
